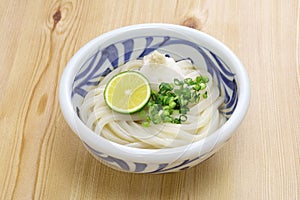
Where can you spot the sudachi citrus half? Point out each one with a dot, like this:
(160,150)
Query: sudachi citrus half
(127,92)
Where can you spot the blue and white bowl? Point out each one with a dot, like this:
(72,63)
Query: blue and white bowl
(110,50)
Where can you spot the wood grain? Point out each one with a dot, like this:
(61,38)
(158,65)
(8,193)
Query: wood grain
(40,157)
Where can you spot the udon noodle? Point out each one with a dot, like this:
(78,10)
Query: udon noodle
(202,119)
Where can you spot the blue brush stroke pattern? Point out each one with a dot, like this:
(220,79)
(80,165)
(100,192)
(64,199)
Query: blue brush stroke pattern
(121,163)
(140,167)
(128,48)
(183,165)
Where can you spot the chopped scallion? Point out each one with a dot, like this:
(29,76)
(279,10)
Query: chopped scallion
(170,103)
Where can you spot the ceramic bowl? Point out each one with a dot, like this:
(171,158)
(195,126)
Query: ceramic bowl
(112,49)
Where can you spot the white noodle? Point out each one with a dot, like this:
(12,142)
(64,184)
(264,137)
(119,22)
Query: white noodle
(202,119)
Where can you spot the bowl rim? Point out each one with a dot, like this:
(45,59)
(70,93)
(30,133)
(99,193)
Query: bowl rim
(168,154)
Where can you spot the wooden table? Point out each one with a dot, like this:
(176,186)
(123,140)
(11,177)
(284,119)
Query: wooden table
(41,158)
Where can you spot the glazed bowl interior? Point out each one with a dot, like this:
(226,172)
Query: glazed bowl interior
(108,51)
